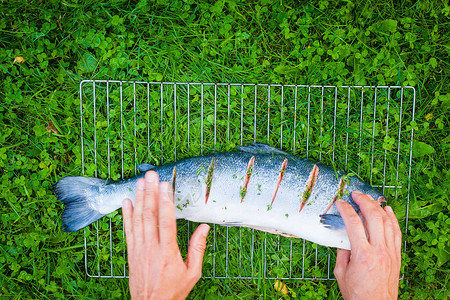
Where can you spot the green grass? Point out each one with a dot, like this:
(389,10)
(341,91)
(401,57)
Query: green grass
(319,42)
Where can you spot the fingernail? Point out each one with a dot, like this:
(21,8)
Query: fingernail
(205,230)
(357,192)
(389,208)
(126,204)
(150,177)
(140,185)
(339,201)
(164,187)
(167,188)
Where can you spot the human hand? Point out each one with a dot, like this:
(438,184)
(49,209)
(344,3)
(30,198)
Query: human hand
(157,270)
(371,269)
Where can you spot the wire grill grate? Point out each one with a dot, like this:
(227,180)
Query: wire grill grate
(361,129)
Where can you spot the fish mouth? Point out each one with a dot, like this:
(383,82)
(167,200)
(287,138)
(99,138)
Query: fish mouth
(381,200)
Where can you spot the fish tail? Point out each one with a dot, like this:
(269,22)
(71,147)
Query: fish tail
(78,195)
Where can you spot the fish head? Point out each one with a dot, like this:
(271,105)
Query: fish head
(356,184)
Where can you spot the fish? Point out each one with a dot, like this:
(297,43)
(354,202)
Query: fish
(258,186)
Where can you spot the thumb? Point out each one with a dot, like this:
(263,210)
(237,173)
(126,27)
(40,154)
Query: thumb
(196,250)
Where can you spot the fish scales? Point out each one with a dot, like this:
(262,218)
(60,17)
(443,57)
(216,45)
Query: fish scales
(259,187)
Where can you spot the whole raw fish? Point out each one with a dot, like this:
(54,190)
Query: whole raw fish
(260,187)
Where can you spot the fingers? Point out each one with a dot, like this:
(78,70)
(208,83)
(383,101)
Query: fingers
(138,226)
(196,251)
(127,210)
(353,225)
(389,232)
(150,208)
(374,217)
(167,221)
(342,260)
(396,232)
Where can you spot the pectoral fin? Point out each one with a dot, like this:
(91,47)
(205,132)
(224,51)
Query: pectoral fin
(333,222)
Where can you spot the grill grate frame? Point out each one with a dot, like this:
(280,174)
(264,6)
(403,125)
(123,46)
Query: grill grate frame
(118,117)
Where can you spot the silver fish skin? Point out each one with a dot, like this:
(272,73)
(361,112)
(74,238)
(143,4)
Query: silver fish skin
(218,195)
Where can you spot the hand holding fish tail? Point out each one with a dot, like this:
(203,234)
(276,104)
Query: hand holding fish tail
(157,270)
(371,269)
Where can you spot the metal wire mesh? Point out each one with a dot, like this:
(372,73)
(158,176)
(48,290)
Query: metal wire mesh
(361,129)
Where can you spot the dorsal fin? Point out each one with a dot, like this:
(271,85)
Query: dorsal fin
(256,148)
(144,167)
